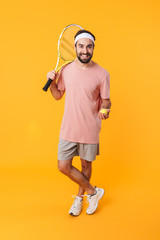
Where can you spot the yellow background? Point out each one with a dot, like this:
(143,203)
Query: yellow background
(35,197)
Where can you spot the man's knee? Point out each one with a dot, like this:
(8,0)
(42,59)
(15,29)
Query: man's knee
(64,167)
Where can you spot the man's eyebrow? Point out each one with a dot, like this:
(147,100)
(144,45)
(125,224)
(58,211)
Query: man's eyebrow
(80,44)
(89,45)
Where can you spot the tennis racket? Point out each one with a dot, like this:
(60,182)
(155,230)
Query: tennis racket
(66,51)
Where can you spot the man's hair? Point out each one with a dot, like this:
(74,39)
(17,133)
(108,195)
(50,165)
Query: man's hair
(84,31)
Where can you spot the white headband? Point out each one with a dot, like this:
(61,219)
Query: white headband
(84,35)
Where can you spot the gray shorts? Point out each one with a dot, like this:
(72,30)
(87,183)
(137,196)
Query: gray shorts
(67,150)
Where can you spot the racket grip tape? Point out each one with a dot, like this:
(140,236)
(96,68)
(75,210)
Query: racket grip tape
(48,83)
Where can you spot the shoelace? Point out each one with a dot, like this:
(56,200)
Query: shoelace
(74,196)
(87,195)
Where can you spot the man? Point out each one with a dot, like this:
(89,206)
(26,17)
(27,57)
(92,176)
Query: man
(87,88)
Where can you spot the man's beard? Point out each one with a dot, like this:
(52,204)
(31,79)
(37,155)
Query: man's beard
(84,60)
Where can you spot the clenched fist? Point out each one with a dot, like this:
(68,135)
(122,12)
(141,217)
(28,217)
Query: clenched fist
(53,75)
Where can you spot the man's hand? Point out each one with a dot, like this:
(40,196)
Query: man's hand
(52,75)
(103,116)
(105,109)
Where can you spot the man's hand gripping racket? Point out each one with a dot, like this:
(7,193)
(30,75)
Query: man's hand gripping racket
(66,52)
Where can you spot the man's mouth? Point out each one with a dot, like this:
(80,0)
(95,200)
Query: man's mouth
(85,55)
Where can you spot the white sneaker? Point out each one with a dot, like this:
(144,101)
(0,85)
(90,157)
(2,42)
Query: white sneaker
(76,207)
(94,199)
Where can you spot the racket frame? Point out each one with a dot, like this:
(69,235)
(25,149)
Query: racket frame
(45,88)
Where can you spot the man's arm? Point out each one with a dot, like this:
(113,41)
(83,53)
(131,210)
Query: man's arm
(106,104)
(57,94)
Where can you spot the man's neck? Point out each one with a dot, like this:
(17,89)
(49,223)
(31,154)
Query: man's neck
(84,65)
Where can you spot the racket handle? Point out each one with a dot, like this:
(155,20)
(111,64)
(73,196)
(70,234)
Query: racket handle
(48,83)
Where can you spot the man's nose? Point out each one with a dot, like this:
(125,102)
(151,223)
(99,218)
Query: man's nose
(85,50)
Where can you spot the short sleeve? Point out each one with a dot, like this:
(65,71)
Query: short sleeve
(105,87)
(60,82)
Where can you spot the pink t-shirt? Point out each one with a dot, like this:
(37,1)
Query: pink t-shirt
(84,89)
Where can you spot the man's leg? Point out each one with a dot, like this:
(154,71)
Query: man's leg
(65,166)
(86,171)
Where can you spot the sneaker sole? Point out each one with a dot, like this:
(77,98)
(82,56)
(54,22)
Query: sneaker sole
(74,215)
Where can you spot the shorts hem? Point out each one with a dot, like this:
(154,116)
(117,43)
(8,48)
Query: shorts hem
(66,158)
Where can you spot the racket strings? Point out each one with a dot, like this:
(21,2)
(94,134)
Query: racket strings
(65,50)
(67,41)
